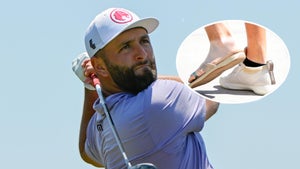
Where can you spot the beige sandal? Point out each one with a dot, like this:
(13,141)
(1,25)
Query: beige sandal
(215,68)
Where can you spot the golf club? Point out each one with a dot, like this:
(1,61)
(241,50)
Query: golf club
(96,83)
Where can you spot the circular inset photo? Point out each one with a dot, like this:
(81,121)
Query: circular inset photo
(233,61)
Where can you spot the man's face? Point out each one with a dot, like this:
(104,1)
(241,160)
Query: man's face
(130,61)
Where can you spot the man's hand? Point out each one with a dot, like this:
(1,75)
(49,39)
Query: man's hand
(83,68)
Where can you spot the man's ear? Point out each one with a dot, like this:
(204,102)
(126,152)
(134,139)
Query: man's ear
(99,66)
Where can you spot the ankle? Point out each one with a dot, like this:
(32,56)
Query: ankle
(250,63)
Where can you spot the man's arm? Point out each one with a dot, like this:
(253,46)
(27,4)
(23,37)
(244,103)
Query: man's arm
(211,108)
(90,97)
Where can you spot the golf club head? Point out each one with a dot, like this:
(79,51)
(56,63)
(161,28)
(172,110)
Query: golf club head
(143,166)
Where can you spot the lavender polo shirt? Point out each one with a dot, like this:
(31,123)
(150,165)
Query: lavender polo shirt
(159,125)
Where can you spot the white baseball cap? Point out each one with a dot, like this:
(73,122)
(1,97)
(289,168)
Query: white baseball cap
(109,24)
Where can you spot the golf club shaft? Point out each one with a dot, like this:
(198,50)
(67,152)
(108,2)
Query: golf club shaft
(110,121)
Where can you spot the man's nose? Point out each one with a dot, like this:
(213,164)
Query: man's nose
(140,52)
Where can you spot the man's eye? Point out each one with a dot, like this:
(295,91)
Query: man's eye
(125,47)
(145,41)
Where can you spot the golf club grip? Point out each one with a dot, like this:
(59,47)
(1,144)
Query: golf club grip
(96,81)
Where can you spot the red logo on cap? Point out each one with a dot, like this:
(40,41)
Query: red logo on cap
(120,16)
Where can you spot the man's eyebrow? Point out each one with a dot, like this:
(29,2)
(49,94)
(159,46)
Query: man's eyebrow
(125,42)
(146,36)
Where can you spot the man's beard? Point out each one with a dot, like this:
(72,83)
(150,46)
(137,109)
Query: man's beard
(128,81)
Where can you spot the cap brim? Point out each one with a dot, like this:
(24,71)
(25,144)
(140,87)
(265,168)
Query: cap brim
(150,24)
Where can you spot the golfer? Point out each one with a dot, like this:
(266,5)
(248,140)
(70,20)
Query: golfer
(158,118)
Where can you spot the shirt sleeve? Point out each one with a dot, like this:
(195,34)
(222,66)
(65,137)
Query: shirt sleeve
(92,141)
(175,109)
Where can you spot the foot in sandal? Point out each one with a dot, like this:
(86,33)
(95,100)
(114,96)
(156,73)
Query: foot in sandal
(221,56)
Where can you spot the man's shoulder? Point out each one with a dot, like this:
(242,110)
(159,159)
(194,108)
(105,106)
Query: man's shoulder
(166,83)
(167,87)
